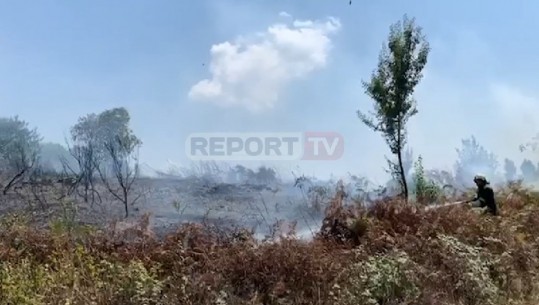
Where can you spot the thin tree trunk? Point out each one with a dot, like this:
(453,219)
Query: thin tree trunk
(126,202)
(401,167)
(403,177)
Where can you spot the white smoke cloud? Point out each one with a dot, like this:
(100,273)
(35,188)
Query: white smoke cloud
(251,73)
(517,121)
(518,108)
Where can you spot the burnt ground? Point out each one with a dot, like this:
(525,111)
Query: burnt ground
(256,207)
(174,201)
(171,202)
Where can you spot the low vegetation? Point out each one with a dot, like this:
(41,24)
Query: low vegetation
(392,253)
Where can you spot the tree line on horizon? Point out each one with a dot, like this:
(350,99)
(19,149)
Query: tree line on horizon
(102,147)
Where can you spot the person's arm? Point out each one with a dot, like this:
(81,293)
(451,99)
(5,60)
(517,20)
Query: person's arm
(479,203)
(473,199)
(476,201)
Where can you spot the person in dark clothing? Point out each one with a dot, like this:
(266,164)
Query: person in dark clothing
(485,196)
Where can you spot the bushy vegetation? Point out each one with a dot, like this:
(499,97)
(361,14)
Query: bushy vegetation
(426,190)
(401,255)
(391,252)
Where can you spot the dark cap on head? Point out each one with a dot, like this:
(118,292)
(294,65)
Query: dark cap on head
(480,178)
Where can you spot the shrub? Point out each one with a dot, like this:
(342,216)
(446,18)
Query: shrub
(393,253)
(426,191)
(380,279)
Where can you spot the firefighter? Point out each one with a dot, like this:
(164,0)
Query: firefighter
(484,197)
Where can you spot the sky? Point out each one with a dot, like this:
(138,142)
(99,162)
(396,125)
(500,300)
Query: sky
(184,67)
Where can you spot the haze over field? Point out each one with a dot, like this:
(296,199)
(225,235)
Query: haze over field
(269,152)
(278,70)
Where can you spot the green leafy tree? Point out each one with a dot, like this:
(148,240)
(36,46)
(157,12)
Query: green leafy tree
(123,153)
(19,150)
(392,85)
(105,145)
(87,149)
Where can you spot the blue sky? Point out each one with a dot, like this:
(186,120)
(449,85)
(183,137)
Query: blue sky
(60,60)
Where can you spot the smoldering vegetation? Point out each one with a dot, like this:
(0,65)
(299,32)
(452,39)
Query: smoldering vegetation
(392,252)
(217,234)
(84,222)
